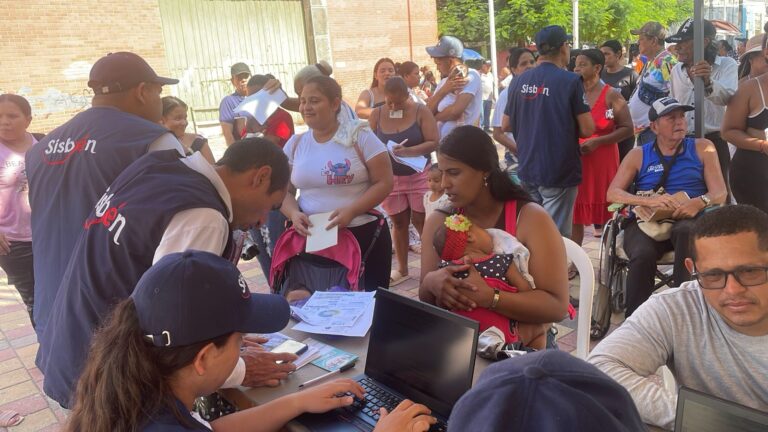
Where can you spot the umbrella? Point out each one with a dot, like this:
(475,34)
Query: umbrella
(471,55)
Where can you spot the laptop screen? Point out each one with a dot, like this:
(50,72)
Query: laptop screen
(700,412)
(424,352)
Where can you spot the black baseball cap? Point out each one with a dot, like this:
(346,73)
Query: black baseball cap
(549,391)
(551,37)
(194,296)
(239,69)
(685,32)
(121,71)
(664,106)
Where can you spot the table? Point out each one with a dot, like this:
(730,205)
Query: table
(248,397)
(256,396)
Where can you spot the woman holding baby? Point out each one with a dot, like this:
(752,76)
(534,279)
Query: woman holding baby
(480,191)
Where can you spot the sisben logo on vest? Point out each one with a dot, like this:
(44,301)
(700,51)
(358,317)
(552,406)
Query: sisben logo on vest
(532,91)
(59,151)
(108,216)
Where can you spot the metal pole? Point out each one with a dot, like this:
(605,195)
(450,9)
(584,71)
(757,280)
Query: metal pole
(494,68)
(698,55)
(576,24)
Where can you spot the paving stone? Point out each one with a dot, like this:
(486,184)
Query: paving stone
(27,405)
(18,391)
(13,377)
(7,353)
(27,355)
(24,341)
(13,316)
(10,364)
(19,332)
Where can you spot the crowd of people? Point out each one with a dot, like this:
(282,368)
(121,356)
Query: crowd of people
(120,226)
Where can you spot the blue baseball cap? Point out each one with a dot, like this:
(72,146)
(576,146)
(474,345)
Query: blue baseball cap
(448,46)
(545,391)
(194,296)
(551,37)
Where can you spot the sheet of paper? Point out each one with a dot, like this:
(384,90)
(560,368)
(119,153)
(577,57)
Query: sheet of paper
(319,238)
(261,104)
(359,329)
(275,339)
(327,308)
(416,162)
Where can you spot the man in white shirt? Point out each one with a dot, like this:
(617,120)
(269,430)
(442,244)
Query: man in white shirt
(720,75)
(458,97)
(488,81)
(711,332)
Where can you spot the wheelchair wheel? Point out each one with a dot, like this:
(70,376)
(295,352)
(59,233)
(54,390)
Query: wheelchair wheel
(607,257)
(619,289)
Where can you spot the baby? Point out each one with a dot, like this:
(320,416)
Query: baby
(435,198)
(502,261)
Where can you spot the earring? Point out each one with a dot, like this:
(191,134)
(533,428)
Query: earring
(485,181)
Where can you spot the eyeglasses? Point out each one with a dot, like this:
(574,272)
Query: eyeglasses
(746,276)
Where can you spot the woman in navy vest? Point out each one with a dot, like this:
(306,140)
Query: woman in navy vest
(692,167)
(163,360)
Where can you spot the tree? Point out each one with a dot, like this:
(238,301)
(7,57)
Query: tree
(517,21)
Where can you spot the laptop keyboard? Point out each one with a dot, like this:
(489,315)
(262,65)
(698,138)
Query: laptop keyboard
(375,398)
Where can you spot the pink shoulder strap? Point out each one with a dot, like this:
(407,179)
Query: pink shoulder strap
(510,217)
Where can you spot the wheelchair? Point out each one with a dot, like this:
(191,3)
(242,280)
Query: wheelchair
(611,294)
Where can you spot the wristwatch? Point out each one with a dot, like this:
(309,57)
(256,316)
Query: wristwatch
(707,201)
(496,297)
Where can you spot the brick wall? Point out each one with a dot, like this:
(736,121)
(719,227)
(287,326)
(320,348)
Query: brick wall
(48,47)
(363,31)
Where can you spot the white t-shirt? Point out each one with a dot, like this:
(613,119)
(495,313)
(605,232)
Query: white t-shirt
(430,206)
(329,175)
(471,115)
(488,83)
(498,113)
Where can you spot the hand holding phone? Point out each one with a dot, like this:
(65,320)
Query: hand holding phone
(291,346)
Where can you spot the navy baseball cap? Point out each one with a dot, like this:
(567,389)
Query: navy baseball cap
(545,391)
(121,71)
(664,106)
(194,296)
(448,46)
(551,37)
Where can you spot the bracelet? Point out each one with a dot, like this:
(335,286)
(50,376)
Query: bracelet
(496,297)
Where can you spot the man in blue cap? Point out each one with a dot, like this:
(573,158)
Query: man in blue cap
(545,391)
(547,112)
(70,168)
(458,97)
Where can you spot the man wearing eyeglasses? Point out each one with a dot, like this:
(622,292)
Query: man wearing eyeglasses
(711,332)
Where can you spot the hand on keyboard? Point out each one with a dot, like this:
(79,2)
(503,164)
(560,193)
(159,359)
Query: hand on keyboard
(407,416)
(331,395)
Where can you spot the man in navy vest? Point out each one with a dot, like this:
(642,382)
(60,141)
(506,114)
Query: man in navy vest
(160,204)
(71,167)
(547,112)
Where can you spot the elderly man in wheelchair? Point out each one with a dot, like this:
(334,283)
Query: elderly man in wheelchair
(676,179)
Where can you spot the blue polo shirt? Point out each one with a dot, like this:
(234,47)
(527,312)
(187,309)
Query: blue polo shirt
(227,107)
(542,107)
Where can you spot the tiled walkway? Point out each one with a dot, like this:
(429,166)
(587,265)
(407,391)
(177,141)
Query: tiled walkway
(21,381)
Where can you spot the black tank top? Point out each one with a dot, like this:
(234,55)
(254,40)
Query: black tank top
(412,133)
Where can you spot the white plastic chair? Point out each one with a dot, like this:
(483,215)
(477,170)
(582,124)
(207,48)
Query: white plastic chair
(586,290)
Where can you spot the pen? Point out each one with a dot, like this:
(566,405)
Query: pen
(344,368)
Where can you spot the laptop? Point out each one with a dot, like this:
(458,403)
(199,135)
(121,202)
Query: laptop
(416,351)
(701,412)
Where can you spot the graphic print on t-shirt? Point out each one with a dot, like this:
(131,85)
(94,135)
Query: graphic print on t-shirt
(338,173)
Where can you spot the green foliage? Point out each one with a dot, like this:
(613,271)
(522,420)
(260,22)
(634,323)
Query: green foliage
(517,21)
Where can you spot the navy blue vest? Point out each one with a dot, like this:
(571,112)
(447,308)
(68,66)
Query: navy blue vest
(116,246)
(68,171)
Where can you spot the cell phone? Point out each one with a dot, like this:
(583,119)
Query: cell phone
(291,346)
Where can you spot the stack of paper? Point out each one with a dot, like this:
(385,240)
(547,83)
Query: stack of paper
(262,104)
(337,313)
(416,162)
